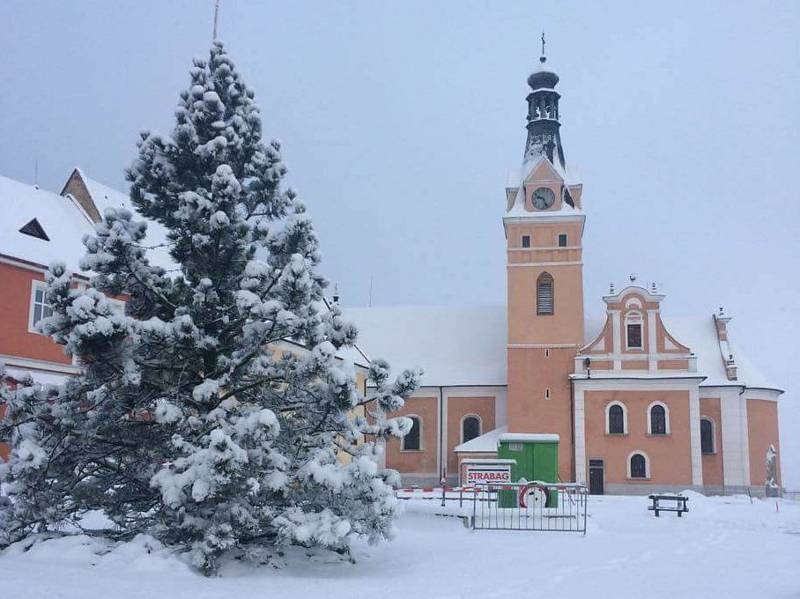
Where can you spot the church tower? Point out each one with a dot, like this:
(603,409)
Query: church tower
(544,229)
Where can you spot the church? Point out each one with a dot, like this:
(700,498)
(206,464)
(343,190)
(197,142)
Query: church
(636,399)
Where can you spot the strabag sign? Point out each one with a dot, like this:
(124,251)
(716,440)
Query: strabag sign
(488,473)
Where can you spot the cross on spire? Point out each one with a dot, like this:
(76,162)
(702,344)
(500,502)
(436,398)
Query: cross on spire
(543,44)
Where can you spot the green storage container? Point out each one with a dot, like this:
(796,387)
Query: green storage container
(537,459)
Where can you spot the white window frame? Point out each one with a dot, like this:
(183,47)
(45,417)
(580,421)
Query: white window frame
(634,317)
(646,465)
(461,425)
(421,438)
(624,417)
(35,285)
(666,419)
(713,436)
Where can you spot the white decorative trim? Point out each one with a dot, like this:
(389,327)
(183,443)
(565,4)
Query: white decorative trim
(543,247)
(647,474)
(624,417)
(636,357)
(666,417)
(32,364)
(530,264)
(652,343)
(441,432)
(616,384)
(542,346)
(694,436)
(580,437)
(34,267)
(735,446)
(615,336)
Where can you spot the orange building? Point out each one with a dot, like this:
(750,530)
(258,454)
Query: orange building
(639,400)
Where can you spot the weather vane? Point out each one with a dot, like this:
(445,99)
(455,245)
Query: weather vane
(543,43)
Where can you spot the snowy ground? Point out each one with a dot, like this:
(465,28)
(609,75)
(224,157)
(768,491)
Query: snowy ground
(725,547)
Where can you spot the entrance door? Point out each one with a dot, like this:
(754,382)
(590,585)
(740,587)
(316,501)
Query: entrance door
(596,477)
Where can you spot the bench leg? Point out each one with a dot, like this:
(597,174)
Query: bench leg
(680,513)
(656,513)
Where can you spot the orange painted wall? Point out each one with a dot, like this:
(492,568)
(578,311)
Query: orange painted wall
(713,473)
(15,302)
(424,461)
(457,408)
(670,455)
(762,427)
(529,374)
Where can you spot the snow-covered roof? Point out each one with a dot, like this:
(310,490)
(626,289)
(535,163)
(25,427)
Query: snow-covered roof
(486,443)
(453,345)
(105,197)
(61,218)
(530,437)
(466,345)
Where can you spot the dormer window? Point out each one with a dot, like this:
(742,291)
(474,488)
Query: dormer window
(34,229)
(526,241)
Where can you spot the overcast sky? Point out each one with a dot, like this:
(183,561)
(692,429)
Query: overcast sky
(400,120)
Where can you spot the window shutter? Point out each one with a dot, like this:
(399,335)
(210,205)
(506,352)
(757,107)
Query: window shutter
(544,294)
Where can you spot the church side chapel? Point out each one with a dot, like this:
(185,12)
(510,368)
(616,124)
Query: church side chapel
(636,401)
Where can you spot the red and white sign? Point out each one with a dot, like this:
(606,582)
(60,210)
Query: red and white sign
(487,473)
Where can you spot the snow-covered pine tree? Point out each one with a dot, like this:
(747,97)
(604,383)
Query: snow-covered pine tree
(190,422)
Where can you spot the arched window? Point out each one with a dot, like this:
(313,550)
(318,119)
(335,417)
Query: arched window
(470,428)
(544,294)
(615,419)
(657,419)
(413,439)
(637,466)
(706,435)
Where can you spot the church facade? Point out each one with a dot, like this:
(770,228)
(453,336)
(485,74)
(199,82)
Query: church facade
(639,400)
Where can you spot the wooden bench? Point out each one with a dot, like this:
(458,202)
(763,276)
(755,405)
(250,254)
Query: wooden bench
(679,502)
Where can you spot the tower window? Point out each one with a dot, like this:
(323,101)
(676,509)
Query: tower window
(413,439)
(562,240)
(526,241)
(544,294)
(547,393)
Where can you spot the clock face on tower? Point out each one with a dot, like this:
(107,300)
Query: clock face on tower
(543,198)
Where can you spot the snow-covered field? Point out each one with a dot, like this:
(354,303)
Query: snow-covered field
(725,547)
